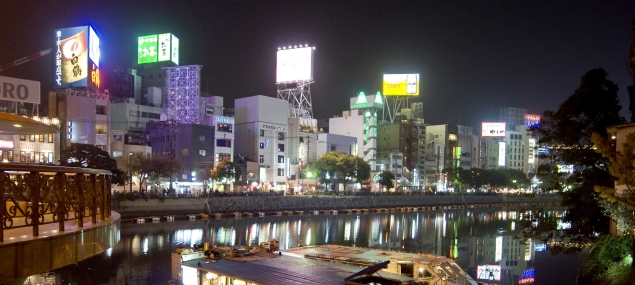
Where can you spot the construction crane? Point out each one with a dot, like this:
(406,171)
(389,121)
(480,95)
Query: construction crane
(25,59)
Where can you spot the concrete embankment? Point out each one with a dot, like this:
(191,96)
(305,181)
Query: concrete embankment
(225,205)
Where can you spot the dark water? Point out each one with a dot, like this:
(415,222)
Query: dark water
(476,236)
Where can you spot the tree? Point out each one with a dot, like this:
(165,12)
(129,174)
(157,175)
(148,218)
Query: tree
(90,156)
(621,196)
(355,168)
(226,172)
(386,179)
(153,167)
(341,166)
(590,109)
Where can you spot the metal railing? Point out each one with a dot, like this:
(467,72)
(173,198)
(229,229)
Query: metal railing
(34,195)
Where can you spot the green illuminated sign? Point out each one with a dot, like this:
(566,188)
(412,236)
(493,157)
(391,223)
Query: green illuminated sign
(148,49)
(158,48)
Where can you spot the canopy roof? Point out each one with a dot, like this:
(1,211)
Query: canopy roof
(12,124)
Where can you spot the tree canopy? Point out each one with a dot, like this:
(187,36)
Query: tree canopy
(226,172)
(590,109)
(153,167)
(90,156)
(341,166)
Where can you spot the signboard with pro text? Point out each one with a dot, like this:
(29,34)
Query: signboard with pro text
(76,60)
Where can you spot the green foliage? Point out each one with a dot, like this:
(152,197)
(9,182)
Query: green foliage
(476,177)
(153,167)
(386,179)
(592,108)
(609,261)
(341,165)
(90,156)
(225,172)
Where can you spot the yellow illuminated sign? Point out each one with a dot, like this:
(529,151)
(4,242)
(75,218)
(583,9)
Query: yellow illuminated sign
(401,84)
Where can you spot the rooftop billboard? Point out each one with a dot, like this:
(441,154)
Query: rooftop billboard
(493,129)
(77,56)
(294,64)
(488,272)
(158,48)
(401,85)
(532,121)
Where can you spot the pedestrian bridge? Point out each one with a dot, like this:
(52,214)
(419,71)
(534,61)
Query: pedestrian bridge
(53,216)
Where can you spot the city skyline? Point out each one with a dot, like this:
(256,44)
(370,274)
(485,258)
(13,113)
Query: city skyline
(473,58)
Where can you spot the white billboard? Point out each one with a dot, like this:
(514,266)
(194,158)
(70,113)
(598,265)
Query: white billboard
(19,90)
(294,65)
(501,154)
(493,129)
(488,272)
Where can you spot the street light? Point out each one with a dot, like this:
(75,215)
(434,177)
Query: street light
(130,174)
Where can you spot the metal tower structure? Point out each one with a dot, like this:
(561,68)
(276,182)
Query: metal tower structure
(294,75)
(299,97)
(183,89)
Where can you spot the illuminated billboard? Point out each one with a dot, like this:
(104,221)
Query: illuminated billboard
(77,55)
(488,272)
(401,84)
(493,129)
(158,48)
(532,121)
(501,153)
(294,64)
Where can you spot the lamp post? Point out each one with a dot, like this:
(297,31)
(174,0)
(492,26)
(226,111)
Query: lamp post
(130,167)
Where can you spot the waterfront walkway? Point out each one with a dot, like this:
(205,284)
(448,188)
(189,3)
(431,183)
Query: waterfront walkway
(276,203)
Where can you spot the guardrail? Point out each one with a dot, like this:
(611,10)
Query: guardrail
(34,195)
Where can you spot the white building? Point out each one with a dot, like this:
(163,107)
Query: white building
(261,124)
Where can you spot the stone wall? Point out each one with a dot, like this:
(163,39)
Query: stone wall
(171,206)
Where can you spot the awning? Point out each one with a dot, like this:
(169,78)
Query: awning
(369,270)
(12,124)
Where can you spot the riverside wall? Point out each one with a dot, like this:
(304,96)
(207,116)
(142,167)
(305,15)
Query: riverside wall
(225,205)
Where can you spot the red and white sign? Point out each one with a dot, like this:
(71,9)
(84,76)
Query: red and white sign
(6,144)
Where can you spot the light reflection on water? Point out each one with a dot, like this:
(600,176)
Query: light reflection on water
(143,255)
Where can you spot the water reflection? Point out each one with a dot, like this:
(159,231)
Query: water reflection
(473,237)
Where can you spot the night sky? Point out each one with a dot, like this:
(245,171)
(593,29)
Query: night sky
(474,57)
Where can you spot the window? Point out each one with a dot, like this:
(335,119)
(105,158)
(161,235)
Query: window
(185,151)
(117,153)
(261,160)
(333,147)
(100,110)
(223,143)
(281,136)
(262,133)
(22,156)
(201,152)
(50,138)
(42,157)
(224,157)
(9,155)
(301,139)
(201,138)
(280,147)
(222,127)
(280,158)
(51,157)
(280,171)
(32,138)
(41,138)
(262,145)
(22,137)
(32,156)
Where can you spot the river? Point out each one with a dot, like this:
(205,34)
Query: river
(472,236)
